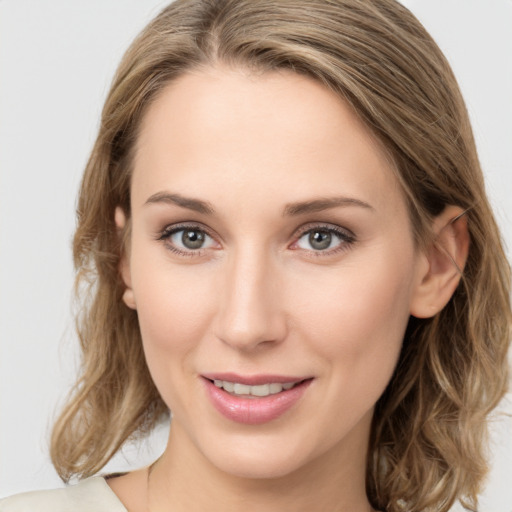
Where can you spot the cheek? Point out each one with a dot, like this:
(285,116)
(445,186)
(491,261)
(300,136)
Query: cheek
(171,300)
(356,326)
(174,312)
(357,316)
(168,312)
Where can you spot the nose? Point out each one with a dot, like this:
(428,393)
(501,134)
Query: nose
(251,313)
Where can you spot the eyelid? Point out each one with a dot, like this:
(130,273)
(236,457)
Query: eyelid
(166,233)
(327,226)
(192,224)
(346,236)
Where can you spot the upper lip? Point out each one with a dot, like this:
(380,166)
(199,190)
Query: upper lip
(253,380)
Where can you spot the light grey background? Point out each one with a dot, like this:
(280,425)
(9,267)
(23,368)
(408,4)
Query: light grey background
(57,58)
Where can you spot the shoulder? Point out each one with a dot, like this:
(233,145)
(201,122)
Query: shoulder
(90,495)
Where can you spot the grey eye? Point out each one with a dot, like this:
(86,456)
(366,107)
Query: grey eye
(191,239)
(319,240)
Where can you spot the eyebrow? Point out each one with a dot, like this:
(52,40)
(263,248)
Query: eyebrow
(185,202)
(318,205)
(291,209)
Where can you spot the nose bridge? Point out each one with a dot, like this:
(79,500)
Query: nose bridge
(250,312)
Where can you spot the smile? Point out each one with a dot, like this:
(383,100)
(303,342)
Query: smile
(254,400)
(262,390)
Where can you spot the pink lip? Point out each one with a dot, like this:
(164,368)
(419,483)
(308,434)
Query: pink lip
(254,411)
(252,380)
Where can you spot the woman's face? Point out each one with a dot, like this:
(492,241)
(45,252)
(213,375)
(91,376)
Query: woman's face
(270,246)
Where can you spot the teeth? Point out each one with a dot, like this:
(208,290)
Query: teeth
(228,386)
(262,390)
(242,389)
(275,388)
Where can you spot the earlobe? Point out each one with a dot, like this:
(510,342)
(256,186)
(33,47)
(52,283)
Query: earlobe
(443,263)
(124,263)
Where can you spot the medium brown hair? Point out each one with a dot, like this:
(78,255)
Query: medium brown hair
(427,445)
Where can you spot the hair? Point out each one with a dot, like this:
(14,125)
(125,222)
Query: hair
(427,446)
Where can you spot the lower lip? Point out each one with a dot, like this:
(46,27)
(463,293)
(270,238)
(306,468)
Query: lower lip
(257,410)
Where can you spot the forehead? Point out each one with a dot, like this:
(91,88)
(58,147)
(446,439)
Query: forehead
(279,134)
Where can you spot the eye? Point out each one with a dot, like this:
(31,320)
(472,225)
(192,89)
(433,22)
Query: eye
(324,239)
(190,239)
(187,239)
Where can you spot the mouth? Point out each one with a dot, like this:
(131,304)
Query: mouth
(262,390)
(254,400)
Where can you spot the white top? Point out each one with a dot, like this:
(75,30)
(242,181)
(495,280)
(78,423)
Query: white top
(90,495)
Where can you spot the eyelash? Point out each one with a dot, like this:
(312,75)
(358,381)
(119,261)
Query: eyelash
(169,231)
(346,239)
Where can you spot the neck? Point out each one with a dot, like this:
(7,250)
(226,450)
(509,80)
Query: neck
(184,480)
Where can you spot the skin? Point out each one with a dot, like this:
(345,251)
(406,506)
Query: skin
(259,298)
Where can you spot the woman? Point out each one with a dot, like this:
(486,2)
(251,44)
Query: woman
(284,225)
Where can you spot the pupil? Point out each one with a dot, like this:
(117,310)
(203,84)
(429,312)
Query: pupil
(320,240)
(192,239)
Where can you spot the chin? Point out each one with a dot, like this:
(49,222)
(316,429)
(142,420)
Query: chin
(263,457)
(258,468)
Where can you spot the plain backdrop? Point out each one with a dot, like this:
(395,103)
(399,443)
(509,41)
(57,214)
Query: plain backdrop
(57,58)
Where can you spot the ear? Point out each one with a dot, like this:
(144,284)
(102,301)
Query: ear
(124,263)
(443,261)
